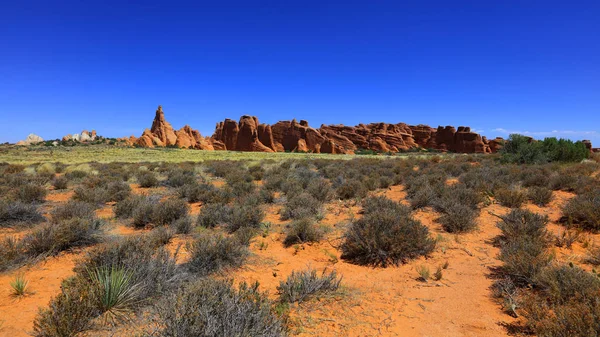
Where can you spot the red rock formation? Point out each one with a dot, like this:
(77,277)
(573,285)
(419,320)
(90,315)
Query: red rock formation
(249,135)
(162,134)
(242,136)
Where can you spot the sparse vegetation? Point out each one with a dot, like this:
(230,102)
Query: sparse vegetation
(299,286)
(386,235)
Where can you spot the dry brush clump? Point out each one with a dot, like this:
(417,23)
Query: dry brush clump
(210,307)
(302,285)
(16,212)
(211,253)
(112,282)
(387,234)
(303,230)
(583,211)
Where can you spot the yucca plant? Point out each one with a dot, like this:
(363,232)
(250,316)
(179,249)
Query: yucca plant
(19,285)
(117,292)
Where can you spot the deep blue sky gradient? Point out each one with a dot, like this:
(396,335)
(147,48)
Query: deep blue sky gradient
(497,66)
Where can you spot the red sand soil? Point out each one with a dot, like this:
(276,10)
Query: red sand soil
(373,302)
(389,301)
(17,313)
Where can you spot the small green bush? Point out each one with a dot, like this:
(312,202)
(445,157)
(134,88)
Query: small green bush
(458,219)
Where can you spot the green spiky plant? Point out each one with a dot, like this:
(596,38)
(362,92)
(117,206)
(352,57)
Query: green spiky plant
(117,292)
(19,285)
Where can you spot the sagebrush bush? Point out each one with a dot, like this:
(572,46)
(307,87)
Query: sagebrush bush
(211,253)
(12,213)
(510,197)
(540,196)
(523,245)
(351,189)
(389,235)
(30,193)
(247,213)
(212,215)
(102,192)
(302,206)
(60,183)
(73,209)
(303,230)
(300,286)
(147,179)
(566,283)
(183,225)
(583,211)
(206,193)
(179,177)
(112,280)
(52,238)
(210,307)
(458,218)
(168,211)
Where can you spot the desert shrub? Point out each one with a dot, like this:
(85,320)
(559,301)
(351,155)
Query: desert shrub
(112,280)
(245,235)
(214,308)
(510,197)
(206,193)
(351,189)
(565,283)
(563,182)
(76,174)
(540,196)
(300,286)
(303,205)
(168,211)
(302,230)
(583,211)
(457,194)
(146,179)
(124,208)
(12,213)
(212,215)
(52,238)
(151,264)
(179,177)
(211,253)
(245,214)
(426,196)
(102,192)
(320,189)
(577,319)
(11,253)
(523,245)
(256,171)
(239,187)
(159,236)
(183,225)
(30,193)
(60,183)
(387,236)
(458,218)
(70,312)
(73,209)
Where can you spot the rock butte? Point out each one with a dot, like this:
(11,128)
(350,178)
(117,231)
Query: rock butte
(249,135)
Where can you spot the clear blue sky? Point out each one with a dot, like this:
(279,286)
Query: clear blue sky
(497,66)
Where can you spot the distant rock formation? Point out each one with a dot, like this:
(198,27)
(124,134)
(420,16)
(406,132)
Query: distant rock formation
(84,136)
(248,134)
(31,139)
(162,134)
